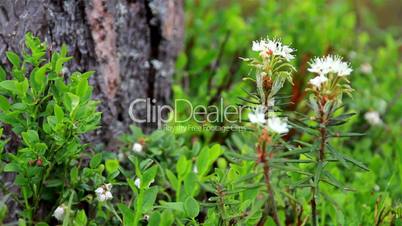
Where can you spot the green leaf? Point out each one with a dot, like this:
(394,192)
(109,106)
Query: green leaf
(10,85)
(356,163)
(74,174)
(178,206)
(128,214)
(167,218)
(339,156)
(317,174)
(54,183)
(131,183)
(95,161)
(3,74)
(191,183)
(22,87)
(13,58)
(172,179)
(71,101)
(207,158)
(182,166)
(148,176)
(38,78)
(12,167)
(58,112)
(191,207)
(30,137)
(112,165)
(4,105)
(154,219)
(80,218)
(82,88)
(149,198)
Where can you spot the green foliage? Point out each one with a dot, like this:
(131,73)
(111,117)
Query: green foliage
(48,115)
(204,177)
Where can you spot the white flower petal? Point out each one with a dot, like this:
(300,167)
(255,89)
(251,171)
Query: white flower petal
(59,213)
(137,182)
(373,118)
(268,47)
(258,115)
(318,81)
(137,147)
(278,125)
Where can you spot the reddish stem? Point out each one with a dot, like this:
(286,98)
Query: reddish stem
(261,147)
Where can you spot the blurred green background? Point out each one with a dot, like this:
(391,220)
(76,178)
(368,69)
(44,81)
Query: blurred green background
(366,33)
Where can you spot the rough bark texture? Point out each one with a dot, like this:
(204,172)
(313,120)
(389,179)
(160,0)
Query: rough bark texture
(131,44)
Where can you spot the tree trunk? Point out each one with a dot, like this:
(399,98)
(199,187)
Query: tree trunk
(131,44)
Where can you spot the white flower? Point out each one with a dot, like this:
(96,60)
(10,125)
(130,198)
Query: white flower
(341,68)
(259,46)
(286,53)
(121,156)
(195,169)
(258,115)
(137,182)
(318,80)
(104,193)
(268,47)
(330,64)
(373,118)
(366,68)
(278,125)
(319,66)
(59,212)
(137,147)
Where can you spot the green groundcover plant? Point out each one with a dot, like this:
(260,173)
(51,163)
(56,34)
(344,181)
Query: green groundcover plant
(257,177)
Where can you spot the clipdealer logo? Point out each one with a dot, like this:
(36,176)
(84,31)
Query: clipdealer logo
(146,110)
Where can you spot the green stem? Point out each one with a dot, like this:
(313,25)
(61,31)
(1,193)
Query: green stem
(313,203)
(114,212)
(138,210)
(178,191)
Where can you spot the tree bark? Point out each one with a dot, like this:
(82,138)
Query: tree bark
(131,44)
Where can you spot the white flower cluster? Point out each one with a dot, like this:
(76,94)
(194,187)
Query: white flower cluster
(59,212)
(326,65)
(373,118)
(104,193)
(275,124)
(268,47)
